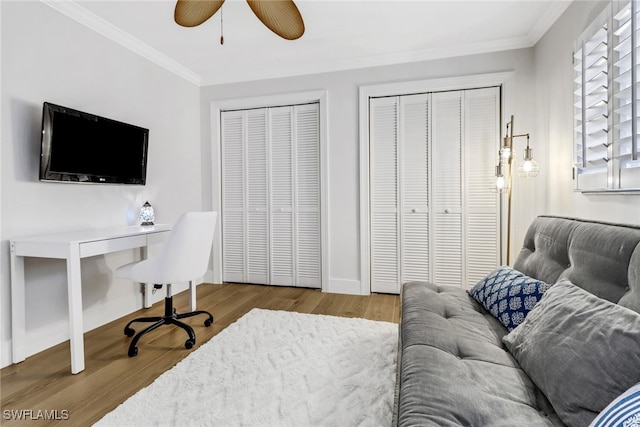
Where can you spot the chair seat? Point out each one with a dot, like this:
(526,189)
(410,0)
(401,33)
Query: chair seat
(183,257)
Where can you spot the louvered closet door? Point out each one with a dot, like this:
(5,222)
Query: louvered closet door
(481,220)
(385,228)
(307,192)
(414,187)
(447,188)
(233,197)
(434,215)
(282,255)
(245,204)
(257,220)
(271,196)
(295,196)
(399,191)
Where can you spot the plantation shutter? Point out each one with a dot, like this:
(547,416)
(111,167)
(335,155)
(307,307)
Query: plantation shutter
(591,108)
(607,156)
(447,188)
(271,196)
(625,95)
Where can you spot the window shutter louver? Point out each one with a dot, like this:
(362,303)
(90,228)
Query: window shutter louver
(592,110)
(625,91)
(606,102)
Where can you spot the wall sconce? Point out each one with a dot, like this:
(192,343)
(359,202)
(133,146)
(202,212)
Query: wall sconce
(504,169)
(147,215)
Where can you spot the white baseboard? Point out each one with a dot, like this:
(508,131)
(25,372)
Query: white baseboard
(5,355)
(345,286)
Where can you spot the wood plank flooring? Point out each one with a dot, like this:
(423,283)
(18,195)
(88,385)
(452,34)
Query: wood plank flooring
(44,381)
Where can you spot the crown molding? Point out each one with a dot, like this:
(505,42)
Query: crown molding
(554,11)
(83,16)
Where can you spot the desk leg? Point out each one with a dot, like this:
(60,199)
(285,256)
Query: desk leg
(74,290)
(148,289)
(18,307)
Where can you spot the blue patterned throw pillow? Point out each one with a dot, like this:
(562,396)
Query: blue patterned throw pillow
(508,295)
(622,412)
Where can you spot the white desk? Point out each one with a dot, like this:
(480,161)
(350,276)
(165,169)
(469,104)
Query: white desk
(71,246)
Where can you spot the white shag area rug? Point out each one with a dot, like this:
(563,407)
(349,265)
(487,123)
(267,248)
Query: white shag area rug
(276,368)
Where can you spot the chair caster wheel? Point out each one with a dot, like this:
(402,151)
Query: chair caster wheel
(208,322)
(189,343)
(133,351)
(129,332)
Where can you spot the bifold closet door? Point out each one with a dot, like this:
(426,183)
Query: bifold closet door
(399,191)
(271,196)
(481,219)
(433,213)
(245,229)
(447,128)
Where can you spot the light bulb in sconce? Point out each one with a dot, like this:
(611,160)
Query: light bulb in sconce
(147,215)
(529,167)
(505,150)
(502,183)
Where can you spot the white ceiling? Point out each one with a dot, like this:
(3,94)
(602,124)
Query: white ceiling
(339,35)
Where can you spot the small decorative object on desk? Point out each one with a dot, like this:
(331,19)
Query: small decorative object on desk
(146,214)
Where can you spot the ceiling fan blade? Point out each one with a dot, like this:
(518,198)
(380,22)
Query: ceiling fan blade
(190,13)
(280,16)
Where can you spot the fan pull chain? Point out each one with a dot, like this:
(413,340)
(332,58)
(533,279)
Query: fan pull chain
(221,28)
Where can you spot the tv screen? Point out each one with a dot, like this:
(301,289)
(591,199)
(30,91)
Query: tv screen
(85,148)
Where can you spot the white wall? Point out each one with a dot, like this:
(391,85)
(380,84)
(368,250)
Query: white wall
(49,57)
(343,142)
(554,99)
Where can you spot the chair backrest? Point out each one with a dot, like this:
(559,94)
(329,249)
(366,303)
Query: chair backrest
(185,254)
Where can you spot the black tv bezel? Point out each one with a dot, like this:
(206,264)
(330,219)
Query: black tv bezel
(47,175)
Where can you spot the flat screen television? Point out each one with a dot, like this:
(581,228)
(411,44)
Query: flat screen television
(85,148)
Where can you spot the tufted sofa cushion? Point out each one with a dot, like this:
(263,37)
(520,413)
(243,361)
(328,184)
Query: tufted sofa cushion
(452,356)
(601,258)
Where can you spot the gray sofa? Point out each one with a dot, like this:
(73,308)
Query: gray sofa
(454,369)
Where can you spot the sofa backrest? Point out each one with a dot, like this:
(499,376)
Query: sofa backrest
(601,258)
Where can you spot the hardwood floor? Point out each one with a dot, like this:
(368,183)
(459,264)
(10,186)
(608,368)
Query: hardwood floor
(44,381)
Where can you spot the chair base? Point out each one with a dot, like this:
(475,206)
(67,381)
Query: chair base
(170,318)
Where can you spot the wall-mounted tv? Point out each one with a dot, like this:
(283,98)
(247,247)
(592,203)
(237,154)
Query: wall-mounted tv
(85,148)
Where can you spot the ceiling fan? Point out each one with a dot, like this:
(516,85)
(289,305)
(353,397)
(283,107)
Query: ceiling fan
(280,16)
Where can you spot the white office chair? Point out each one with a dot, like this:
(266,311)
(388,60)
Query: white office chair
(183,257)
